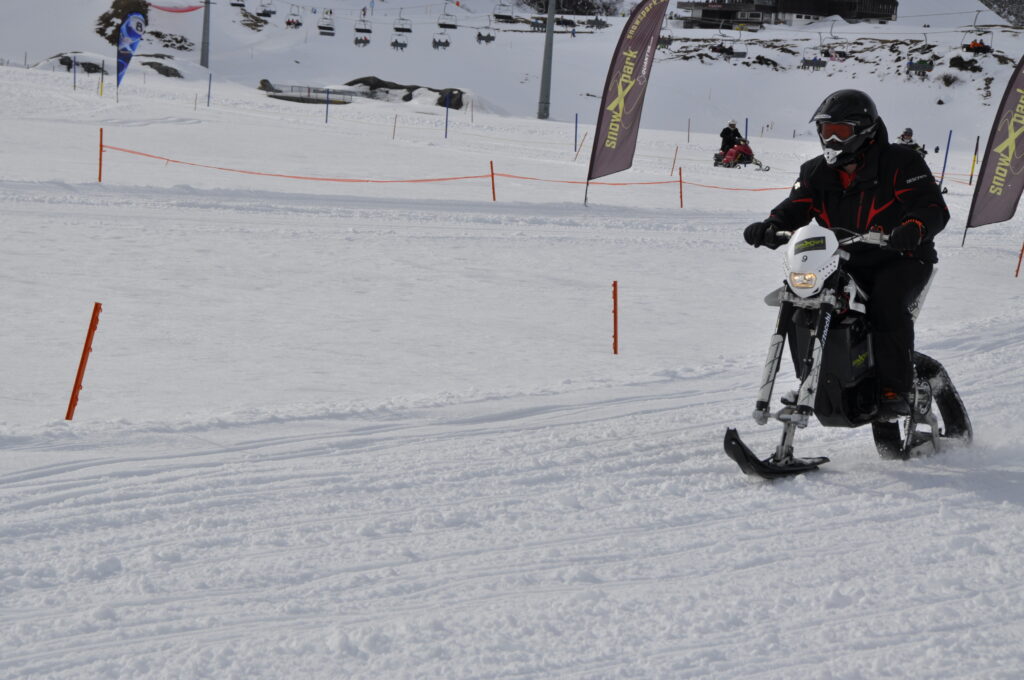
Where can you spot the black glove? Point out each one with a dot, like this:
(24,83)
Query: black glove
(760,234)
(907,236)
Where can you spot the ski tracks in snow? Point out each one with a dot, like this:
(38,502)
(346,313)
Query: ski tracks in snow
(598,533)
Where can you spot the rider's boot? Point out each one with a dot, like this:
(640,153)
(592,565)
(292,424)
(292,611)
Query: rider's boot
(892,403)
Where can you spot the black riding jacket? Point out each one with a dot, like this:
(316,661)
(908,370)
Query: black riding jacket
(892,184)
(730,136)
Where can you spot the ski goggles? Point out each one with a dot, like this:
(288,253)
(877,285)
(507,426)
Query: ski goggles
(839,132)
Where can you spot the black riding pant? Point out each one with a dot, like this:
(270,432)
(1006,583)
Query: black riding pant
(891,287)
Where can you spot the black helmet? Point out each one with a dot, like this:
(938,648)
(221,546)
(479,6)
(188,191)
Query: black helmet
(847,120)
(907,132)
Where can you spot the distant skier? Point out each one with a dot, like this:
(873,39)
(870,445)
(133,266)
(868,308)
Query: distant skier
(863,183)
(730,136)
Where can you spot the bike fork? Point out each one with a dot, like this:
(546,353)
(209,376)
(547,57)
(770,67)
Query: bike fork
(799,416)
(772,363)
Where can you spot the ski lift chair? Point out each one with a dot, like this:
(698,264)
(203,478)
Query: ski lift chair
(504,13)
(976,44)
(811,59)
(665,38)
(485,36)
(361,41)
(447,21)
(832,46)
(266,9)
(836,50)
(441,41)
(399,42)
(238,3)
(326,23)
(363,26)
(402,25)
(294,19)
(920,67)
(738,49)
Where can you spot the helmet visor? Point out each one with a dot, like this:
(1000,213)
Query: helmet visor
(835,131)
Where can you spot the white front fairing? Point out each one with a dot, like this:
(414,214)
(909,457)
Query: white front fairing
(811,250)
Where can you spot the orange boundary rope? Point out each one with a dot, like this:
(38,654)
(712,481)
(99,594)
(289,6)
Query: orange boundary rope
(274,174)
(413,181)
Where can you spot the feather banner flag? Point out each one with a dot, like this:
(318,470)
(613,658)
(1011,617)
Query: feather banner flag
(618,121)
(1001,179)
(128,37)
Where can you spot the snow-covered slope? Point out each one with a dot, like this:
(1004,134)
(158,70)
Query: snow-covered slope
(504,76)
(376,430)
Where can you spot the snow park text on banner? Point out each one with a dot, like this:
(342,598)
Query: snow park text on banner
(128,38)
(618,121)
(1001,179)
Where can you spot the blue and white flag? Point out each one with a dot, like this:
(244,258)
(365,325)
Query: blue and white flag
(128,38)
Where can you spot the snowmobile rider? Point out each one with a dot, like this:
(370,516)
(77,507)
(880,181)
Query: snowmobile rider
(906,138)
(863,183)
(730,136)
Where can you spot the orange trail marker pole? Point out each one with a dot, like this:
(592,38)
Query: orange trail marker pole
(97,308)
(100,177)
(1019,259)
(680,187)
(581,147)
(615,317)
(674,156)
(494,195)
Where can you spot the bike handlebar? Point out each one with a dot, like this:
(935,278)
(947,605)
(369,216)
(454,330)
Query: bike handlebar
(875,238)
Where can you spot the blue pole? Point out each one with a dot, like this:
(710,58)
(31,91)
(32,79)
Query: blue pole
(209,88)
(327,108)
(746,125)
(943,176)
(576,132)
(447,96)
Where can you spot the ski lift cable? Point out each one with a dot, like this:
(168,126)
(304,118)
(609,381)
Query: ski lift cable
(328,5)
(861,34)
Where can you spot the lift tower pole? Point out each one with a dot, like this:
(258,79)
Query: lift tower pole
(544,106)
(204,55)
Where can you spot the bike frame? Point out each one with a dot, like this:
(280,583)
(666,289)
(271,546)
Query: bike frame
(825,304)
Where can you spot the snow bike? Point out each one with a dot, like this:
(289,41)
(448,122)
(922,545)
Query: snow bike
(741,159)
(822,310)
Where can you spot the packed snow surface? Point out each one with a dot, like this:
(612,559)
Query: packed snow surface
(335,429)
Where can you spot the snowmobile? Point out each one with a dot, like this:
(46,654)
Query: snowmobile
(741,159)
(823,315)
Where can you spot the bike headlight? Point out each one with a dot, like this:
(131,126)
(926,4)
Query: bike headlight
(801,280)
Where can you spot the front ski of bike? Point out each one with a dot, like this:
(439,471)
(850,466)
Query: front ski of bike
(773,466)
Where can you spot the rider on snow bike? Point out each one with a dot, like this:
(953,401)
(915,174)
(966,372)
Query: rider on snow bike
(862,183)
